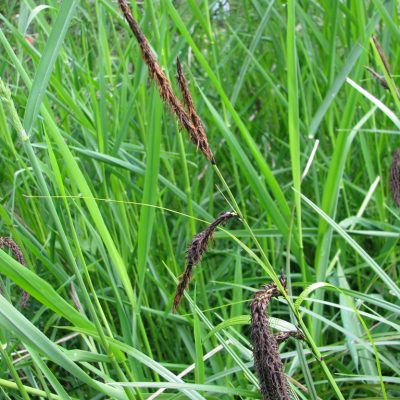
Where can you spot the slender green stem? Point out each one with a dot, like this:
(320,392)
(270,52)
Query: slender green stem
(29,390)
(14,373)
(270,271)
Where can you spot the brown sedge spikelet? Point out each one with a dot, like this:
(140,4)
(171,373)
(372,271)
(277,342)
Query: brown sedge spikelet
(6,242)
(381,79)
(200,137)
(394,181)
(382,55)
(196,250)
(267,362)
(164,86)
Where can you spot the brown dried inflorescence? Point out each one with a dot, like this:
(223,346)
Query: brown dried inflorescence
(199,137)
(381,79)
(267,362)
(197,248)
(382,55)
(192,125)
(394,181)
(6,242)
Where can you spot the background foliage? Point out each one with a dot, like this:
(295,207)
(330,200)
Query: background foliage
(106,193)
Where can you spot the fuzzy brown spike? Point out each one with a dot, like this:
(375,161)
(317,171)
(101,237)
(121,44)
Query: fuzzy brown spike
(394,181)
(6,242)
(196,250)
(200,139)
(267,362)
(164,86)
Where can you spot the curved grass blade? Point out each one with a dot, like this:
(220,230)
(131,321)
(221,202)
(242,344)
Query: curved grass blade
(47,61)
(351,242)
(41,290)
(13,321)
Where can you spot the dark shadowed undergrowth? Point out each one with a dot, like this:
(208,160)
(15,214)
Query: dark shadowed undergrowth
(296,106)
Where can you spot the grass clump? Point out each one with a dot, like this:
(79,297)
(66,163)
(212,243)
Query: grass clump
(103,194)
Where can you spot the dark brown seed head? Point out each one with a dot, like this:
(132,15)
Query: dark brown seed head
(191,123)
(197,248)
(199,136)
(267,362)
(6,242)
(394,181)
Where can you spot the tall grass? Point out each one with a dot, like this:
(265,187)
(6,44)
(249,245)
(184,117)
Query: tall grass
(103,193)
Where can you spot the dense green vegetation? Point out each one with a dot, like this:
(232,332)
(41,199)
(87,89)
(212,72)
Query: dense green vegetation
(103,193)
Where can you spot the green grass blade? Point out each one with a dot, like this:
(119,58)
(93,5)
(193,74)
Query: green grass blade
(47,61)
(351,242)
(13,321)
